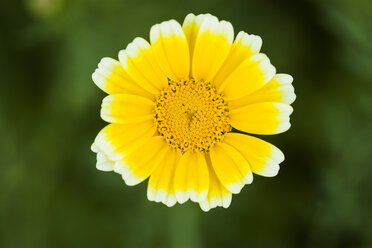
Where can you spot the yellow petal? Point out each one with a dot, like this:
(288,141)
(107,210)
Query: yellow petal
(212,45)
(171,49)
(140,63)
(231,168)
(111,77)
(218,195)
(278,89)
(139,165)
(262,118)
(191,27)
(119,140)
(244,47)
(161,183)
(191,178)
(126,108)
(250,75)
(263,157)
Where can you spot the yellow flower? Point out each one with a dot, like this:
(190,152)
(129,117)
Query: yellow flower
(175,104)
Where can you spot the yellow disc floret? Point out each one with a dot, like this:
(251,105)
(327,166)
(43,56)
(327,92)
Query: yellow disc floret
(191,115)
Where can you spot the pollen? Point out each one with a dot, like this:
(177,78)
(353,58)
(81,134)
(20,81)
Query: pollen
(191,115)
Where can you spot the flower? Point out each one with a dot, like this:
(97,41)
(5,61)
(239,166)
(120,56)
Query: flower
(175,105)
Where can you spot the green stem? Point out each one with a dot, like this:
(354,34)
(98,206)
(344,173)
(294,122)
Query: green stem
(184,227)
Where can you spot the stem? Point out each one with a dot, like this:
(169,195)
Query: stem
(184,227)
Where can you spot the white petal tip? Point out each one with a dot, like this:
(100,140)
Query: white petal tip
(104,166)
(181,196)
(235,188)
(284,78)
(94,147)
(161,195)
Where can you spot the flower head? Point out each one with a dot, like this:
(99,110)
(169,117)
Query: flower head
(173,106)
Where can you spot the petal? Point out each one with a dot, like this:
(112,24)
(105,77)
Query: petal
(263,157)
(111,77)
(191,178)
(231,168)
(171,49)
(244,47)
(126,108)
(104,163)
(278,89)
(139,165)
(119,140)
(250,75)
(141,65)
(212,45)
(262,118)
(161,185)
(218,195)
(191,27)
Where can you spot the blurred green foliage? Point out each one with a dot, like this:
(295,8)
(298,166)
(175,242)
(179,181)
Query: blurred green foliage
(51,195)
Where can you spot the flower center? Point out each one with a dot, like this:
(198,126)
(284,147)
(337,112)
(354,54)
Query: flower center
(191,115)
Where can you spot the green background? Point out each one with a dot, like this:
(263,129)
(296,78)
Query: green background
(51,194)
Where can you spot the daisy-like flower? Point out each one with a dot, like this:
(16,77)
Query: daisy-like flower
(174,106)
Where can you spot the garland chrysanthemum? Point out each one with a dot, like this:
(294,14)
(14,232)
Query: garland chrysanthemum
(174,105)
